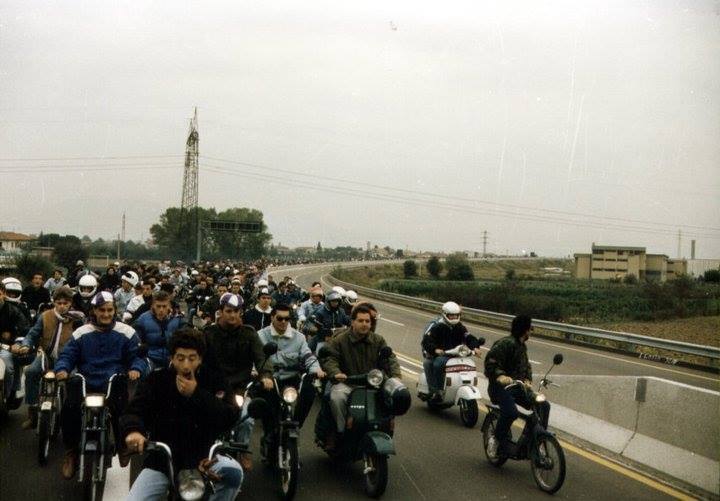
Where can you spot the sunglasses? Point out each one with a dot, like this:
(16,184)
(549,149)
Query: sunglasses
(282,319)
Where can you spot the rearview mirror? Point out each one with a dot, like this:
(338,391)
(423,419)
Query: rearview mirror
(558,359)
(270,349)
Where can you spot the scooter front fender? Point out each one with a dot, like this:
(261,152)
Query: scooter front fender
(378,442)
(467,392)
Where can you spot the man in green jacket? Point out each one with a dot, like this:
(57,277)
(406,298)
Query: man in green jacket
(506,362)
(352,352)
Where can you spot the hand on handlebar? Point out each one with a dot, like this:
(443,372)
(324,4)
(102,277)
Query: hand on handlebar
(504,380)
(340,377)
(439,352)
(18,349)
(205,468)
(61,376)
(133,375)
(267,383)
(320,374)
(135,442)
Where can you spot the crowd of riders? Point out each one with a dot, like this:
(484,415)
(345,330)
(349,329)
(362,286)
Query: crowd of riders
(190,337)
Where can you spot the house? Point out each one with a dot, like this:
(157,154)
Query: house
(13,242)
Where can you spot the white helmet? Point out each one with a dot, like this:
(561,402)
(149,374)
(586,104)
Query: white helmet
(194,273)
(14,287)
(351,297)
(131,277)
(87,281)
(340,290)
(262,283)
(451,308)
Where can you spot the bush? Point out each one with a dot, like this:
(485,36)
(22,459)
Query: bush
(510,275)
(410,268)
(458,268)
(630,279)
(29,264)
(434,267)
(712,276)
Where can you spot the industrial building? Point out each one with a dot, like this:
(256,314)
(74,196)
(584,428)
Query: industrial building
(608,262)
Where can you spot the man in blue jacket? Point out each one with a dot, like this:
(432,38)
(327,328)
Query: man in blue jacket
(156,327)
(97,350)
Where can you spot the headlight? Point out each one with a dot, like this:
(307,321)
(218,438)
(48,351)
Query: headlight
(239,400)
(290,395)
(464,351)
(375,378)
(540,398)
(94,400)
(191,485)
(49,375)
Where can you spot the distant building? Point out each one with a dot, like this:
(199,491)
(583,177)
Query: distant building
(611,262)
(12,242)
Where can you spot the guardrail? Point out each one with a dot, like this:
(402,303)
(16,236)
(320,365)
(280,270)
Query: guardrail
(676,352)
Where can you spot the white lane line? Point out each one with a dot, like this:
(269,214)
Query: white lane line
(392,321)
(117,482)
(536,363)
(409,360)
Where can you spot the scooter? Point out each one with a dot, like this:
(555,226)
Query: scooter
(374,403)
(52,394)
(10,402)
(460,384)
(536,444)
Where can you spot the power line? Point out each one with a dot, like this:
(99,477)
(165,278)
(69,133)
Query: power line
(454,197)
(430,204)
(70,159)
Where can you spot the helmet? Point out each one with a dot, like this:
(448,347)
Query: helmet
(88,281)
(230,299)
(351,297)
(339,290)
(80,263)
(13,289)
(194,273)
(131,278)
(451,308)
(262,283)
(263,292)
(333,295)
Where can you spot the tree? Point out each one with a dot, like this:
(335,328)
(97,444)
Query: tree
(409,268)
(458,267)
(176,232)
(510,274)
(29,264)
(630,279)
(242,245)
(69,251)
(319,248)
(399,253)
(434,267)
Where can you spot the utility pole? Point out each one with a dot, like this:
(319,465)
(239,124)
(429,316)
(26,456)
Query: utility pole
(484,243)
(118,247)
(679,251)
(122,236)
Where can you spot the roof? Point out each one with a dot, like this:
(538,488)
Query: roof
(613,247)
(15,237)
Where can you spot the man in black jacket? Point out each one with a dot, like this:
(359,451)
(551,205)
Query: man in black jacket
(187,407)
(35,294)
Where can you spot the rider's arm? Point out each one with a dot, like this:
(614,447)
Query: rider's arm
(496,362)
(259,357)
(331,363)
(392,363)
(429,344)
(220,413)
(137,414)
(31,339)
(131,361)
(69,356)
(309,360)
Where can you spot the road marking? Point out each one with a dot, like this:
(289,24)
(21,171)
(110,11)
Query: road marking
(392,321)
(536,363)
(409,371)
(409,360)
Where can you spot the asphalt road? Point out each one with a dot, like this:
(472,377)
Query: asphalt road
(437,457)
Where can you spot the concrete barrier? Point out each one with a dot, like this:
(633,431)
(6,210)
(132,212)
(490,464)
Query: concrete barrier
(670,427)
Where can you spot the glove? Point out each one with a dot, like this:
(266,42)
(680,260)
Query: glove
(504,380)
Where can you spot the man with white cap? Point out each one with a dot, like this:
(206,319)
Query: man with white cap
(97,350)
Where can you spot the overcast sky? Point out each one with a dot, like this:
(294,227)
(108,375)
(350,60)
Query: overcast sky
(551,125)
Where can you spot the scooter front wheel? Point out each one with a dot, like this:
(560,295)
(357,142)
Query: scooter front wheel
(45,432)
(469,412)
(488,431)
(289,469)
(376,474)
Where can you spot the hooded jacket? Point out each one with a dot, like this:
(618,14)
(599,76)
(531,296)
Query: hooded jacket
(156,334)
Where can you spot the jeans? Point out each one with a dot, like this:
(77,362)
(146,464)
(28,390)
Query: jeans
(13,366)
(33,375)
(242,431)
(506,400)
(152,485)
(339,395)
(435,372)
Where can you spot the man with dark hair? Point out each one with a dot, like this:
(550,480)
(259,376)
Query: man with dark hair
(57,280)
(506,362)
(352,352)
(259,315)
(156,327)
(35,293)
(187,406)
(51,332)
(141,303)
(210,307)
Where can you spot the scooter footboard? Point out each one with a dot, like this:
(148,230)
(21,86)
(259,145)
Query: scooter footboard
(378,442)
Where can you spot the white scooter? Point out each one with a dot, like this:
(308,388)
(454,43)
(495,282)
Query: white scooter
(460,385)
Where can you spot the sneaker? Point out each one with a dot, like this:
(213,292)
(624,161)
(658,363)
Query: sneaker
(492,447)
(69,464)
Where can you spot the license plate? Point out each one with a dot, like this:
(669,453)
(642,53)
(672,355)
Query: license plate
(46,406)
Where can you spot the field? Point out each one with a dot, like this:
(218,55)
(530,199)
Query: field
(682,309)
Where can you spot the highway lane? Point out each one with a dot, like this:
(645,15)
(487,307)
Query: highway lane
(403,327)
(437,456)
